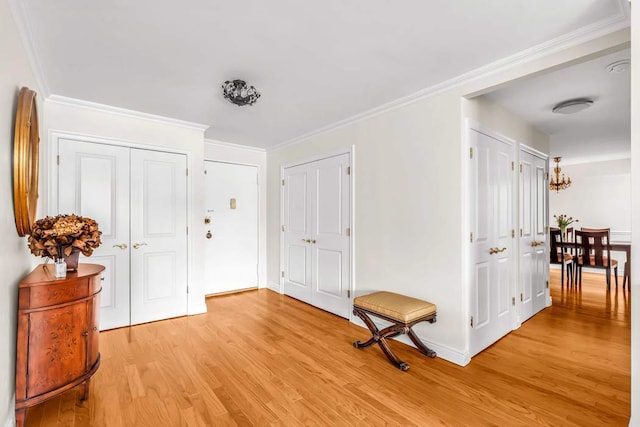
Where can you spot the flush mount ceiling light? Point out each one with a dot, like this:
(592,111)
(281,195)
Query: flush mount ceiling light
(572,106)
(619,66)
(239,93)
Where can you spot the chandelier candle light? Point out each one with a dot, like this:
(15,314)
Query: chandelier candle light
(556,183)
(239,93)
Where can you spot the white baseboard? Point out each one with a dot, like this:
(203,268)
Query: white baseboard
(444,352)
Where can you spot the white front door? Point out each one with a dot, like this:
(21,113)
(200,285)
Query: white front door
(93,181)
(137,197)
(491,180)
(231,248)
(534,256)
(316,203)
(158,235)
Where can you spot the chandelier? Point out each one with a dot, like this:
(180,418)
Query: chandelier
(239,93)
(556,183)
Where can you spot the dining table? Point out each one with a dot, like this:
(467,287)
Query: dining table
(613,246)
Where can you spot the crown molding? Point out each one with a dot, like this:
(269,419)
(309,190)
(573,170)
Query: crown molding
(21,18)
(572,161)
(223,144)
(103,108)
(613,23)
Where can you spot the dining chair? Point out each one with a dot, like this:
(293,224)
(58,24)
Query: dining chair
(558,255)
(625,271)
(593,251)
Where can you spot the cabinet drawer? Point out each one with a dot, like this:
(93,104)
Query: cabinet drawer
(42,296)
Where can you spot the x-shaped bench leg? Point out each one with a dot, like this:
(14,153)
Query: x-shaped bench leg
(379,337)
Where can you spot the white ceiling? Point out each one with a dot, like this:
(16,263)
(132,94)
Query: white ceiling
(315,63)
(600,132)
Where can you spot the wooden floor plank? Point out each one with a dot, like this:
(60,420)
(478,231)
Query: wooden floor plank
(259,358)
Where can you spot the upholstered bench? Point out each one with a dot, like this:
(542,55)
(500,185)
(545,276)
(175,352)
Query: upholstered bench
(402,311)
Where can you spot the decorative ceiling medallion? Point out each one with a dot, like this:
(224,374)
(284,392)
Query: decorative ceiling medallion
(239,93)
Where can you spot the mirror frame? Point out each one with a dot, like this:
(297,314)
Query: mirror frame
(26,143)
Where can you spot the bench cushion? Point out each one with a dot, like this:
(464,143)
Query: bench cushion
(399,307)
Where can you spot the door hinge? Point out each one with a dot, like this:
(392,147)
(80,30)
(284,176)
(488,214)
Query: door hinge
(521,297)
(348,232)
(348,170)
(513,233)
(283,228)
(521,232)
(283,182)
(513,300)
(58,159)
(205,171)
(282,274)
(187,171)
(472,321)
(348,293)
(547,228)
(520,167)
(187,229)
(547,284)
(470,237)
(546,177)
(471,153)
(513,165)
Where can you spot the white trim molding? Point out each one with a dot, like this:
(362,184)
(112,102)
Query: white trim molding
(234,146)
(103,108)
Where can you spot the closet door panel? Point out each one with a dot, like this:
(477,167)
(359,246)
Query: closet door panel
(158,235)
(93,181)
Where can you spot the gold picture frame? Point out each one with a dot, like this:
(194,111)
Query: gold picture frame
(26,143)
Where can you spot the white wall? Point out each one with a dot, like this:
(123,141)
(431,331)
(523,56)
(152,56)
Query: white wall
(15,258)
(409,196)
(64,118)
(635,214)
(231,153)
(606,185)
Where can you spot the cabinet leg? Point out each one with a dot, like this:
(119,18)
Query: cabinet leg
(21,415)
(84,390)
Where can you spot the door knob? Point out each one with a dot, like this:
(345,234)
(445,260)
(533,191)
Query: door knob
(138,245)
(121,246)
(209,235)
(305,240)
(313,241)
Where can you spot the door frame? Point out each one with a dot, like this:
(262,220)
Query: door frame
(311,159)
(469,126)
(52,191)
(259,200)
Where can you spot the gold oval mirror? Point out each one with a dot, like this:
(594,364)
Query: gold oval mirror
(25,161)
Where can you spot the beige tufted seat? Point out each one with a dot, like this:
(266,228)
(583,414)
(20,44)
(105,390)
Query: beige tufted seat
(402,311)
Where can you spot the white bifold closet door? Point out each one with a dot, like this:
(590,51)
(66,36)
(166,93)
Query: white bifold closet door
(534,255)
(316,226)
(491,183)
(139,199)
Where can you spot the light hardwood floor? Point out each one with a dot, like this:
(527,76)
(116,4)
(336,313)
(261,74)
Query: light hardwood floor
(258,358)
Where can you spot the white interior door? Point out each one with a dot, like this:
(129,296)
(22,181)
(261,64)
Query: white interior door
(158,235)
(491,224)
(231,248)
(138,198)
(297,232)
(533,236)
(316,203)
(93,181)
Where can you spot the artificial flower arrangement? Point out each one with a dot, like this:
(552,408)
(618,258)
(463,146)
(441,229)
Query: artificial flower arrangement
(58,236)
(564,221)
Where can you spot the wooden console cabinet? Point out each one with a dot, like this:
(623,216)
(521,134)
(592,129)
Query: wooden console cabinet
(57,343)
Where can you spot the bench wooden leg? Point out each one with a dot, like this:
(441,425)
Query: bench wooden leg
(423,348)
(380,337)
